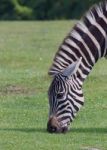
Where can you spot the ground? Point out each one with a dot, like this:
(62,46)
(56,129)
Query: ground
(26,53)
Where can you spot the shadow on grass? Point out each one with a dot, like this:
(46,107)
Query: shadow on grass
(89,130)
(27,130)
(43,130)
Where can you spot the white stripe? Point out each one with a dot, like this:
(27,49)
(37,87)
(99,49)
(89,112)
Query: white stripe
(69,50)
(61,111)
(76,35)
(70,42)
(81,74)
(85,68)
(64,122)
(101,15)
(77,97)
(77,85)
(82,26)
(64,115)
(63,103)
(75,103)
(66,48)
(60,63)
(79,81)
(62,60)
(59,66)
(64,53)
(100,29)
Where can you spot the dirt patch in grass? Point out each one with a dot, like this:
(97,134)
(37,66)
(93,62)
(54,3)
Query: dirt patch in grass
(16,89)
(89,148)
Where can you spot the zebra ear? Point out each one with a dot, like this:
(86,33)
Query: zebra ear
(71,69)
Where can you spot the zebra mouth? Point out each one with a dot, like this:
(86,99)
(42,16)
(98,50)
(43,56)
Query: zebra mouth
(65,127)
(53,129)
(54,126)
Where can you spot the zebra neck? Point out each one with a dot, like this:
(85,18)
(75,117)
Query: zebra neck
(82,74)
(83,71)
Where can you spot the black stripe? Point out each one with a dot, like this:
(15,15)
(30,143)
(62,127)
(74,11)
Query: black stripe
(56,66)
(93,10)
(104,7)
(87,23)
(61,64)
(102,23)
(63,112)
(89,43)
(79,95)
(64,64)
(79,76)
(63,106)
(80,102)
(65,117)
(75,107)
(68,54)
(60,102)
(83,49)
(77,83)
(65,59)
(84,71)
(76,51)
(96,33)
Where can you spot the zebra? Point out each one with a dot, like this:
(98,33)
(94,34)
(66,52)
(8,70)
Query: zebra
(74,60)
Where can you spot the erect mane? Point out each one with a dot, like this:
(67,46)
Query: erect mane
(97,9)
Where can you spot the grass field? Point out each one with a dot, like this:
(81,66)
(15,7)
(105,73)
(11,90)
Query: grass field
(26,52)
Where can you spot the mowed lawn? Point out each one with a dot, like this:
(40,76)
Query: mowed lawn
(26,53)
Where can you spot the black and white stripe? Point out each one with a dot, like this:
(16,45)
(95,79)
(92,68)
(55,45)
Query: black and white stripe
(87,40)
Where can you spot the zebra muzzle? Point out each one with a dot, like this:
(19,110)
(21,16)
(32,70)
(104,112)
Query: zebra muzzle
(54,126)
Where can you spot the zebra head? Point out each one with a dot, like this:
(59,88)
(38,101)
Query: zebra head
(65,99)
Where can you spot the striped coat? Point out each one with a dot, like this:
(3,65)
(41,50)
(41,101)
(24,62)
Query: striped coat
(79,51)
(88,39)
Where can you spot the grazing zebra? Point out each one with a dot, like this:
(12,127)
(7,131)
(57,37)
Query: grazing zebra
(80,50)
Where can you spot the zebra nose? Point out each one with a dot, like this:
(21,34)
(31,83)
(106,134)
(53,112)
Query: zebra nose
(54,129)
(52,125)
(51,129)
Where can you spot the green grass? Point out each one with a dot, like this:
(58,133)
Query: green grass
(26,52)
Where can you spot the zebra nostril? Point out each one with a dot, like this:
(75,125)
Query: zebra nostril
(51,129)
(52,125)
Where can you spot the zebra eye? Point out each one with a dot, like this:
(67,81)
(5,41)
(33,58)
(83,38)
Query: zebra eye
(60,95)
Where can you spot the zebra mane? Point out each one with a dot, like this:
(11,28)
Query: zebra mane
(94,14)
(100,8)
